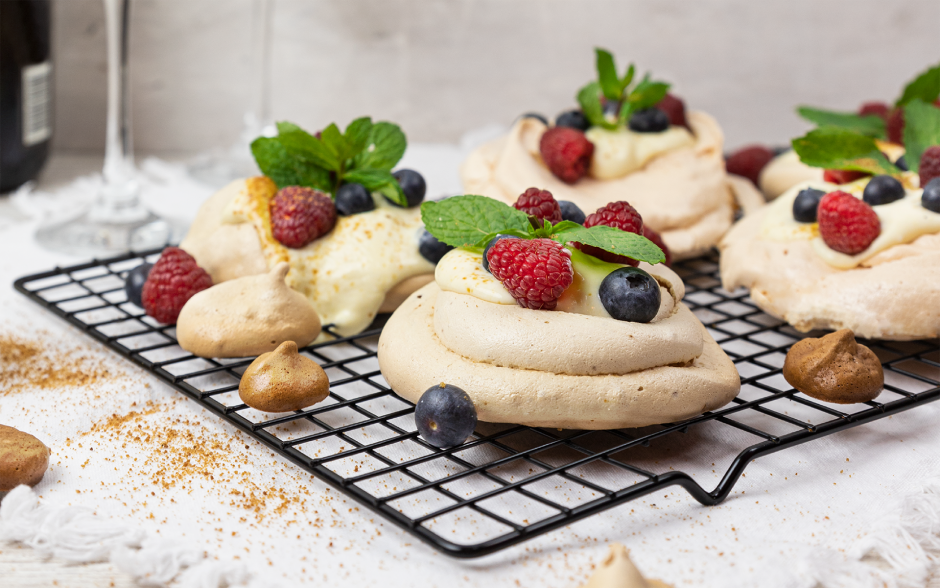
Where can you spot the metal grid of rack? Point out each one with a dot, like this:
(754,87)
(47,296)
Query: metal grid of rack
(507,483)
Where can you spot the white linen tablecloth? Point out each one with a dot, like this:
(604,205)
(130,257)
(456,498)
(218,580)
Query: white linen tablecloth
(143,456)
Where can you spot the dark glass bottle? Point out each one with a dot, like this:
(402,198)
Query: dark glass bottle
(25,90)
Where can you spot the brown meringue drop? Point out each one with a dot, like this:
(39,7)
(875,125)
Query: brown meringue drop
(283,380)
(834,368)
(23,459)
(247,316)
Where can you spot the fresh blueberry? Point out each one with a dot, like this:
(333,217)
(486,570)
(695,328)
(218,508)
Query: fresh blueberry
(901,163)
(649,120)
(931,197)
(412,184)
(430,248)
(574,119)
(611,109)
(805,205)
(353,198)
(134,282)
(630,294)
(486,263)
(571,212)
(536,116)
(445,415)
(882,190)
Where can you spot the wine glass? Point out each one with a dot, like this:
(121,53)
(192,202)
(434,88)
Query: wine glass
(116,221)
(221,167)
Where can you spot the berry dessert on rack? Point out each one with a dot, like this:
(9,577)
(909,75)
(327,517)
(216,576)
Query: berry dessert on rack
(549,322)
(629,138)
(775,174)
(857,250)
(329,234)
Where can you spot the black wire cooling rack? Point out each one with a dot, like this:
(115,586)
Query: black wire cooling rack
(507,483)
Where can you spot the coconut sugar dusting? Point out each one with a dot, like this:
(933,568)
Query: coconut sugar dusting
(31,363)
(181,453)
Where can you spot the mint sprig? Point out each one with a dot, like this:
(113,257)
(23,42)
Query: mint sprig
(287,170)
(365,153)
(870,125)
(845,140)
(836,148)
(925,87)
(471,221)
(609,85)
(921,130)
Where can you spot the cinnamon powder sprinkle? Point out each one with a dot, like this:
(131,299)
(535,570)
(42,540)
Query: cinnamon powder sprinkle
(180,453)
(26,363)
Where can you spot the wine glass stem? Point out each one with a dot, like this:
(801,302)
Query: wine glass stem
(120,187)
(261,66)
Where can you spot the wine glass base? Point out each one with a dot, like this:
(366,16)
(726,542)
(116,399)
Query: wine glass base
(87,235)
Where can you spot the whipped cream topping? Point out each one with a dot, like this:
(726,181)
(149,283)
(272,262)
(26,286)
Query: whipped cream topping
(347,273)
(461,271)
(620,152)
(902,221)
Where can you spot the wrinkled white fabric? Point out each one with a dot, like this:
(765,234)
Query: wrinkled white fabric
(72,533)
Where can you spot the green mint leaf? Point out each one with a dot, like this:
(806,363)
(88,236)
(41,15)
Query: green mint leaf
(648,93)
(925,87)
(334,141)
(564,225)
(357,135)
(921,130)
(871,125)
(384,147)
(276,162)
(835,148)
(627,78)
(589,97)
(645,95)
(607,75)
(287,127)
(613,240)
(301,144)
(393,192)
(372,179)
(470,221)
(377,180)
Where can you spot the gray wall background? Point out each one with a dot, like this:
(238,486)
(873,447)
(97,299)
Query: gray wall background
(444,67)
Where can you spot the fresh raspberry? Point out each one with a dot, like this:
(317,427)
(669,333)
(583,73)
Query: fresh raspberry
(567,153)
(540,204)
(674,109)
(749,161)
(300,214)
(842,176)
(619,215)
(895,124)
(929,165)
(173,280)
(655,238)
(535,271)
(876,108)
(847,224)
